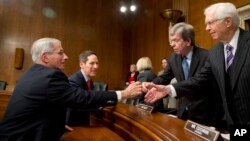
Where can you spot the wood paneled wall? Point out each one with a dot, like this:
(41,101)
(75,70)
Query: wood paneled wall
(197,19)
(118,39)
(150,32)
(80,25)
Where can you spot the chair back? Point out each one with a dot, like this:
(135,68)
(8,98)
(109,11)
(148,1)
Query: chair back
(3,85)
(100,86)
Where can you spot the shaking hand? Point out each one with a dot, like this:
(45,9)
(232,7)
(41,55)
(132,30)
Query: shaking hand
(156,92)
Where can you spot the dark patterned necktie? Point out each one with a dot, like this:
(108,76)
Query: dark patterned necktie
(230,56)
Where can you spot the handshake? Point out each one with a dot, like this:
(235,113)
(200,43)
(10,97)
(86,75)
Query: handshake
(153,92)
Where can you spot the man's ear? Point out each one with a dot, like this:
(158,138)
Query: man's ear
(228,21)
(82,64)
(44,58)
(189,42)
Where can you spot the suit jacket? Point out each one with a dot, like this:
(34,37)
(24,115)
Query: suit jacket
(37,107)
(146,76)
(77,80)
(199,106)
(79,116)
(236,98)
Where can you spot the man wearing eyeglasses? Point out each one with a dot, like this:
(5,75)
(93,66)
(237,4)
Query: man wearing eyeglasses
(228,62)
(37,107)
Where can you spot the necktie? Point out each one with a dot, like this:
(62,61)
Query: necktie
(89,84)
(230,56)
(185,67)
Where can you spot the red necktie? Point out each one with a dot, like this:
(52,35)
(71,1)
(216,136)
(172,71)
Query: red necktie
(89,84)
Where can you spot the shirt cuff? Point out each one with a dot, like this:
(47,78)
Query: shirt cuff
(119,95)
(173,92)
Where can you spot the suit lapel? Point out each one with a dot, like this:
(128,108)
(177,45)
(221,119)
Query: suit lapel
(219,62)
(240,56)
(194,62)
(179,67)
(84,84)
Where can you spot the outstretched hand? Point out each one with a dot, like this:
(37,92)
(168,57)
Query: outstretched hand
(132,90)
(156,92)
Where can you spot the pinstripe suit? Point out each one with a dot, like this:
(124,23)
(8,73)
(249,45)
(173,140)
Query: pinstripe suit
(236,105)
(200,108)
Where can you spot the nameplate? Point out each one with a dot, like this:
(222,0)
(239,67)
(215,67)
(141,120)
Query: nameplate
(145,107)
(202,131)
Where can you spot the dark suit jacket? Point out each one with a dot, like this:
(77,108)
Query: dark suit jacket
(78,116)
(77,80)
(145,76)
(37,107)
(200,107)
(237,105)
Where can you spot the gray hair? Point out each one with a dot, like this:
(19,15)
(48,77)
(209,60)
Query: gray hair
(223,10)
(42,45)
(84,55)
(186,31)
(144,63)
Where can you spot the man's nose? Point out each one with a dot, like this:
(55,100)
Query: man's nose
(172,44)
(66,57)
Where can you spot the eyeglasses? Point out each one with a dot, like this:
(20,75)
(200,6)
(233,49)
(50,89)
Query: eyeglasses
(61,52)
(212,22)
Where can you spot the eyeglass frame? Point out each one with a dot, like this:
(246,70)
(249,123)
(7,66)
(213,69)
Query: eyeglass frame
(211,22)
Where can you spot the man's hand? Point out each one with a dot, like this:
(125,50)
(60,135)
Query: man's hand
(132,90)
(156,92)
(68,128)
(146,86)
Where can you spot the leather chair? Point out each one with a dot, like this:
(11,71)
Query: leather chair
(100,86)
(3,85)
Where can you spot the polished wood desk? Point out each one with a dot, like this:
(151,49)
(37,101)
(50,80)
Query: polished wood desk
(132,123)
(124,122)
(4,100)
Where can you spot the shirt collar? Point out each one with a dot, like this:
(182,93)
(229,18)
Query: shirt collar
(234,40)
(85,76)
(190,54)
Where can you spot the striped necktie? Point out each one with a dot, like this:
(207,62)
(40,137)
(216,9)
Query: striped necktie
(230,56)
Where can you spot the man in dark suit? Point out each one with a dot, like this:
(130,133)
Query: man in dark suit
(89,65)
(37,107)
(197,108)
(228,63)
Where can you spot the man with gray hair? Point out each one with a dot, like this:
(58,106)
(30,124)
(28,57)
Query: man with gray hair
(37,107)
(228,63)
(185,62)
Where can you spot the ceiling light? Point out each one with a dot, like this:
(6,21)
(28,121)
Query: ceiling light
(132,8)
(123,9)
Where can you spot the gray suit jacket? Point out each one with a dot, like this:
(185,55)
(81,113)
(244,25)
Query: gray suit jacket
(237,105)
